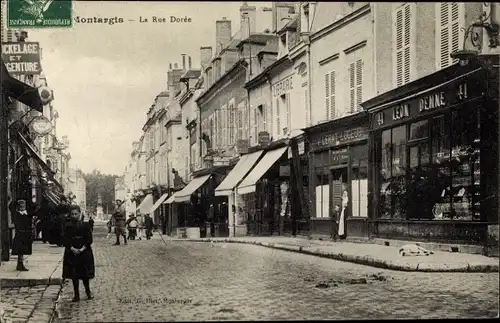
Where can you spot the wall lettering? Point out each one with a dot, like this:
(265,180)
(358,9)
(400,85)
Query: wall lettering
(432,102)
(400,112)
(282,87)
(341,137)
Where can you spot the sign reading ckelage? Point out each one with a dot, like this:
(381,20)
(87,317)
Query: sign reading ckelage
(21,58)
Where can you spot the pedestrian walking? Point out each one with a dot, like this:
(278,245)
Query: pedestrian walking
(23,238)
(78,260)
(132,227)
(91,224)
(119,219)
(148,223)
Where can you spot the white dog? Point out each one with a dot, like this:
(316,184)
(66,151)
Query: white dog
(414,250)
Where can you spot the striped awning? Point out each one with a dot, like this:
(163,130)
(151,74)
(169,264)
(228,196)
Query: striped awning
(52,197)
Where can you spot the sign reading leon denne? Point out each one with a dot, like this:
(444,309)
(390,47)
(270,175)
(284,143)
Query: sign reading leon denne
(21,58)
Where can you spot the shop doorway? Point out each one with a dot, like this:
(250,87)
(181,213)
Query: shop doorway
(338,184)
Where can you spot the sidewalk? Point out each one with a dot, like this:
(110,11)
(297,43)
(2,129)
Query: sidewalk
(374,255)
(44,264)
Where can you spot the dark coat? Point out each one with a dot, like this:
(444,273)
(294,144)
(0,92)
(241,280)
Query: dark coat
(23,238)
(148,223)
(77,234)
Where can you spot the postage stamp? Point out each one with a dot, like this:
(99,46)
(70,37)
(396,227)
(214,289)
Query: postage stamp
(39,13)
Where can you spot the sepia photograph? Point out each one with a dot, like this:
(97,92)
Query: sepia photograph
(180,161)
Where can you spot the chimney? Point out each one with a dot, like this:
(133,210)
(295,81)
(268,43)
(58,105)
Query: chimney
(170,66)
(176,66)
(189,62)
(184,61)
(248,20)
(222,33)
(205,56)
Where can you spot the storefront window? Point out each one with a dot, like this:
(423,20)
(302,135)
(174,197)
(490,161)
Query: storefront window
(322,196)
(442,178)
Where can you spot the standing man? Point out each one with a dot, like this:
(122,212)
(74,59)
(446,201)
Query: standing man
(148,223)
(119,216)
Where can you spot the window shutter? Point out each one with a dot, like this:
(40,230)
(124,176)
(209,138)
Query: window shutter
(278,123)
(306,105)
(264,117)
(288,114)
(231,124)
(240,122)
(224,126)
(352,86)
(359,83)
(407,54)
(327,96)
(256,118)
(403,40)
(449,19)
(333,109)
(216,129)
(246,120)
(253,123)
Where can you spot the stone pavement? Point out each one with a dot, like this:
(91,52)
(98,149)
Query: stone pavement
(374,255)
(30,296)
(153,280)
(44,264)
(33,304)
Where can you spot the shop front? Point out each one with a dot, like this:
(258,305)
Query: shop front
(263,194)
(433,166)
(338,176)
(201,213)
(227,188)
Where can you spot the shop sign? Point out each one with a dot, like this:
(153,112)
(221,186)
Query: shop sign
(264,138)
(41,125)
(21,58)
(340,137)
(301,145)
(340,156)
(441,98)
(283,87)
(242,146)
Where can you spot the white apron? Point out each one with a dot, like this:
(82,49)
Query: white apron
(341,223)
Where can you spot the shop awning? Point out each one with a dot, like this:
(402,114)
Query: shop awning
(238,173)
(171,199)
(248,184)
(35,155)
(20,91)
(185,194)
(159,202)
(52,197)
(146,204)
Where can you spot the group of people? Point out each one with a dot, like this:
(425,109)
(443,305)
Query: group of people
(134,226)
(76,237)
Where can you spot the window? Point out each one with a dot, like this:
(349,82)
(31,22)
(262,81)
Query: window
(403,43)
(435,175)
(330,95)
(322,196)
(306,104)
(355,85)
(217,129)
(232,122)
(240,122)
(278,117)
(254,122)
(450,18)
(285,102)
(224,130)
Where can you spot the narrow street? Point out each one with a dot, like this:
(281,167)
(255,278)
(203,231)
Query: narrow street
(154,281)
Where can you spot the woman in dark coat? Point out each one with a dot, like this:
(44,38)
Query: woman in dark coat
(78,261)
(23,238)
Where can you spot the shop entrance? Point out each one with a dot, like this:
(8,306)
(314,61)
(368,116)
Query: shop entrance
(338,184)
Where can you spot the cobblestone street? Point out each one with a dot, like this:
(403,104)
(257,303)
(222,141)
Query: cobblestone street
(151,281)
(28,304)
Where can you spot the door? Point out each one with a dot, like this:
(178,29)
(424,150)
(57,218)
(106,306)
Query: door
(338,184)
(418,204)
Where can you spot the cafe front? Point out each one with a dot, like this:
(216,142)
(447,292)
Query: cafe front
(338,176)
(433,168)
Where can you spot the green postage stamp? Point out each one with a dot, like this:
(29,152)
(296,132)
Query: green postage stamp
(39,13)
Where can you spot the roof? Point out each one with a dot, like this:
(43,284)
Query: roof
(257,38)
(290,25)
(191,74)
(271,46)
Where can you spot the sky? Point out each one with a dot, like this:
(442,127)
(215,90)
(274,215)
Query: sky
(105,77)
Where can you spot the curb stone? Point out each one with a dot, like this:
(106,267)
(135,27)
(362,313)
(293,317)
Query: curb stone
(365,260)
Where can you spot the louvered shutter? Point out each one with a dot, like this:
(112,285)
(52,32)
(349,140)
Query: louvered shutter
(246,120)
(264,117)
(449,20)
(257,118)
(216,128)
(359,83)
(402,38)
(333,109)
(352,87)
(278,116)
(231,124)
(327,96)
(253,123)
(306,106)
(224,126)
(288,114)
